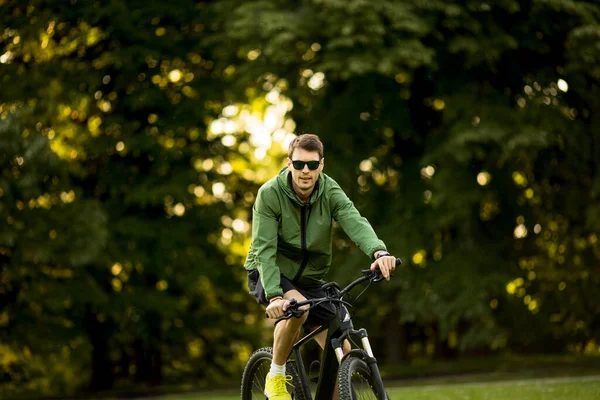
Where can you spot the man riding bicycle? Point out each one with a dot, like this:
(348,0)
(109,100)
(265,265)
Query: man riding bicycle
(292,225)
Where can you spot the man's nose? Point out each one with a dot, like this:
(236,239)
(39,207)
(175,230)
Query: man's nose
(305,169)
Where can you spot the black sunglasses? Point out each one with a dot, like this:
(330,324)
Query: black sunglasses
(312,165)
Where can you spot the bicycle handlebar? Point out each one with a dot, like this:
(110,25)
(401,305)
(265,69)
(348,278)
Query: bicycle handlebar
(294,310)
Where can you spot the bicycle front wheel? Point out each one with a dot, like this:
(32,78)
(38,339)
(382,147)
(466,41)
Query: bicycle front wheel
(355,381)
(255,374)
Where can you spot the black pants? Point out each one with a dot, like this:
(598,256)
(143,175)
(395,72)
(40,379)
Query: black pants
(317,316)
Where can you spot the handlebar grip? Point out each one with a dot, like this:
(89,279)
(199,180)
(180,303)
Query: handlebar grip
(378,277)
(288,313)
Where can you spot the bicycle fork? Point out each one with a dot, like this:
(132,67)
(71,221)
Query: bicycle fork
(366,354)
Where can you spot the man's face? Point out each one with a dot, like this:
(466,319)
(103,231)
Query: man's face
(304,180)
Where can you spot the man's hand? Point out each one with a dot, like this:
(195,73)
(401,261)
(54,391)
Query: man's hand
(277,307)
(386,264)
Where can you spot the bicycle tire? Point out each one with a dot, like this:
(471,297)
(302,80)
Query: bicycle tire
(256,370)
(355,381)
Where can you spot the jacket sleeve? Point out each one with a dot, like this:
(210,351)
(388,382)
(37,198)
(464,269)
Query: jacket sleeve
(265,224)
(356,226)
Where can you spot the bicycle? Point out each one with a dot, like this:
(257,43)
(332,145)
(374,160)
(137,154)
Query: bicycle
(358,374)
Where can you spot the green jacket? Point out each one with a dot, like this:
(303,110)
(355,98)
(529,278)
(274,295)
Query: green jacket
(295,239)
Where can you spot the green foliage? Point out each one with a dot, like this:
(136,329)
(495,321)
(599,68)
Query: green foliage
(112,246)
(464,131)
(49,238)
(478,93)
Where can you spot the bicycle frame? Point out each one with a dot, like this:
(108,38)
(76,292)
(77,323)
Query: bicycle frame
(338,330)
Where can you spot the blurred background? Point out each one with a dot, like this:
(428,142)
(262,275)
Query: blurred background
(135,134)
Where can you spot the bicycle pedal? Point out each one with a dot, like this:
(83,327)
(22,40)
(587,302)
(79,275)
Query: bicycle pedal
(314,366)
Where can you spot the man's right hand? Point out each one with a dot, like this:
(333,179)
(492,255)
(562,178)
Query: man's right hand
(276,308)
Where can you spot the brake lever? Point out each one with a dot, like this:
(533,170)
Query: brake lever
(287,315)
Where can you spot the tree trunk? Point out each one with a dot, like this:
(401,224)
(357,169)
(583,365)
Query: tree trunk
(396,343)
(99,333)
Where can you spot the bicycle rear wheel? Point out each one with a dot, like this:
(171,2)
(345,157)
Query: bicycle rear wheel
(255,373)
(355,381)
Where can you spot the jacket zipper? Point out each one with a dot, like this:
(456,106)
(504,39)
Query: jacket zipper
(303,222)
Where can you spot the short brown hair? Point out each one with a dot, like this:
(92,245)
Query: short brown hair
(308,142)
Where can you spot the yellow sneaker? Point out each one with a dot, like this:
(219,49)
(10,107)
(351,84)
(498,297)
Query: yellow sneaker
(275,387)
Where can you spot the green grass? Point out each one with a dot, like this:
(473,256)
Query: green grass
(539,389)
(571,388)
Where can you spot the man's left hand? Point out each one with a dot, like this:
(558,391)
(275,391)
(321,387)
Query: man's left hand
(386,264)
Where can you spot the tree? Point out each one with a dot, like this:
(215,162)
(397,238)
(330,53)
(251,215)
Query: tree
(123,97)
(50,238)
